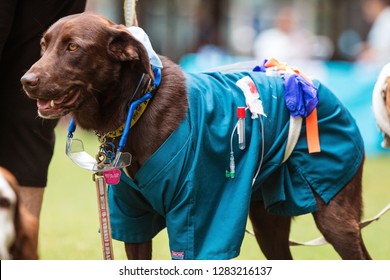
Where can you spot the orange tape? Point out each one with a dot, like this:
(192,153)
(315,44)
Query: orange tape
(312,134)
(275,63)
(282,66)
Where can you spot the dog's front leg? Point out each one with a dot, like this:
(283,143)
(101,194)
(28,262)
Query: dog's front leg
(139,251)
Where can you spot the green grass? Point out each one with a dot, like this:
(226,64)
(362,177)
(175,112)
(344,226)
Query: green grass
(69,221)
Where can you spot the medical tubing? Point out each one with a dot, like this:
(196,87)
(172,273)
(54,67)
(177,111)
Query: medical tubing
(231,138)
(137,88)
(232,164)
(232,161)
(262,151)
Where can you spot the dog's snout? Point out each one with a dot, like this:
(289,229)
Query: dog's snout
(30,81)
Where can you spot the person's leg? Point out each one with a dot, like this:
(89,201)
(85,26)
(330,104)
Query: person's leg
(27,142)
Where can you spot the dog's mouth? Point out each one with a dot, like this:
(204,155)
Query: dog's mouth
(58,107)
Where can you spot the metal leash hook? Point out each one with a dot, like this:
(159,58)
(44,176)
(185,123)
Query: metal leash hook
(104,216)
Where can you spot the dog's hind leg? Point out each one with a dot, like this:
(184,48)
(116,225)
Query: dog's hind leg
(271,231)
(339,220)
(139,251)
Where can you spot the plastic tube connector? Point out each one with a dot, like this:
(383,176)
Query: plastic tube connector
(232,166)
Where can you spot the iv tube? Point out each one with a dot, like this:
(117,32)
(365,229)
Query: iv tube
(241,127)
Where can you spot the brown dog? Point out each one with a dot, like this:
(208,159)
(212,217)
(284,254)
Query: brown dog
(19,228)
(91,67)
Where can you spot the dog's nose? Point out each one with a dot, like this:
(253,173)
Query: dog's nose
(30,81)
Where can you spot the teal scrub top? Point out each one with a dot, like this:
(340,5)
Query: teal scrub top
(183,186)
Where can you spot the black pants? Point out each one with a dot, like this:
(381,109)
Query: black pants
(26,141)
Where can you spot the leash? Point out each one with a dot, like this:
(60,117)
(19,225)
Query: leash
(130,14)
(104,216)
(322,241)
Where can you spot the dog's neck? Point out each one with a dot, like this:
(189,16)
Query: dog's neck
(163,115)
(165,112)
(113,101)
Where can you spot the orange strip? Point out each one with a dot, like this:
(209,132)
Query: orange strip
(274,62)
(313,138)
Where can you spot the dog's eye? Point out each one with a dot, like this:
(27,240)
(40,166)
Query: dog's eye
(4,203)
(72,47)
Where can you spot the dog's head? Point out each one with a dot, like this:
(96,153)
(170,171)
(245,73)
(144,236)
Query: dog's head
(19,229)
(83,57)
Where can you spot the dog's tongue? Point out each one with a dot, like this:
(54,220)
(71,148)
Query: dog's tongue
(43,104)
(46,104)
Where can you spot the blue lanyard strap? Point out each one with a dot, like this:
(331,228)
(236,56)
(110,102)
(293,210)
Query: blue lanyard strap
(71,128)
(126,131)
(134,105)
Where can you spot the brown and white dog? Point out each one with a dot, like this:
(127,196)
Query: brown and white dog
(18,228)
(88,67)
(381,104)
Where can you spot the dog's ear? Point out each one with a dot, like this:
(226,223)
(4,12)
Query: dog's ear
(25,246)
(125,47)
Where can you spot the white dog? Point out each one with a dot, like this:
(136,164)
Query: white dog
(18,228)
(381,104)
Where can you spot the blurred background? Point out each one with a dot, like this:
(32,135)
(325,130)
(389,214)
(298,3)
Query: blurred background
(328,39)
(181,27)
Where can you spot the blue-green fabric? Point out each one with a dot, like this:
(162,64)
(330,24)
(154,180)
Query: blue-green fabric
(183,185)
